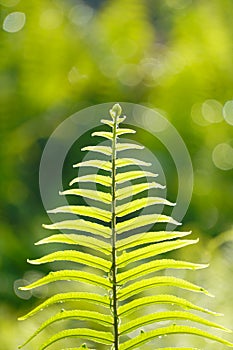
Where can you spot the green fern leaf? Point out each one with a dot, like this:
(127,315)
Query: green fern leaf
(133,175)
(95,195)
(126,146)
(99,149)
(76,239)
(166,316)
(148,237)
(83,333)
(152,250)
(125,131)
(93,212)
(129,191)
(123,162)
(139,303)
(143,220)
(119,266)
(69,275)
(81,225)
(105,134)
(95,163)
(138,204)
(63,315)
(67,297)
(174,329)
(95,178)
(157,265)
(74,256)
(138,287)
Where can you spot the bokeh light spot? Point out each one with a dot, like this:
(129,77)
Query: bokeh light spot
(51,19)
(212,111)
(22,294)
(153,69)
(14,22)
(228,112)
(223,156)
(196,115)
(130,75)
(154,122)
(81,14)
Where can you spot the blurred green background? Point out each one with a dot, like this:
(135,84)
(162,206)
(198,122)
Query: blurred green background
(58,57)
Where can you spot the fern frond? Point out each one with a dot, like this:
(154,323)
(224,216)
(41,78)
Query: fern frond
(82,333)
(148,237)
(81,225)
(76,239)
(63,315)
(139,303)
(122,267)
(157,265)
(123,162)
(129,191)
(69,275)
(138,204)
(95,178)
(99,149)
(144,338)
(67,297)
(91,194)
(133,175)
(105,134)
(166,316)
(74,256)
(126,146)
(152,250)
(138,287)
(144,220)
(83,210)
(95,163)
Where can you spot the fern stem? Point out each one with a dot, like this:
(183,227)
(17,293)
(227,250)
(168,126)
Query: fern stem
(115,112)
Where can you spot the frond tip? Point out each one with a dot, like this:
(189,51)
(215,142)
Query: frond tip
(122,266)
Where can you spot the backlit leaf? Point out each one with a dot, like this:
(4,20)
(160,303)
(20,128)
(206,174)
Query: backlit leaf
(93,212)
(139,303)
(73,314)
(151,250)
(153,266)
(67,297)
(74,256)
(144,220)
(95,163)
(99,149)
(85,241)
(69,275)
(83,333)
(80,225)
(106,134)
(167,316)
(95,178)
(135,189)
(148,237)
(174,329)
(91,194)
(141,203)
(132,175)
(157,281)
